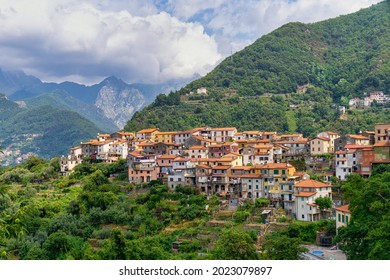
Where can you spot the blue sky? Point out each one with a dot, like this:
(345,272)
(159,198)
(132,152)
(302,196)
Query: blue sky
(146,41)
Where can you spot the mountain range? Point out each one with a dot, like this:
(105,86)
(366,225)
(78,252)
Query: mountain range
(292,80)
(46,119)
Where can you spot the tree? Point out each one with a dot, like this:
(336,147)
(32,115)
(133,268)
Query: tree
(368,233)
(235,244)
(278,246)
(323,203)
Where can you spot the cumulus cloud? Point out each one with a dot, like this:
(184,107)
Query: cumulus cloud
(142,40)
(73,38)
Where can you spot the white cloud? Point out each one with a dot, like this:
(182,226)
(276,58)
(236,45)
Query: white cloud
(65,38)
(244,20)
(142,40)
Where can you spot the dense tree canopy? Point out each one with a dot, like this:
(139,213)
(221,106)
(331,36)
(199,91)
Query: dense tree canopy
(368,233)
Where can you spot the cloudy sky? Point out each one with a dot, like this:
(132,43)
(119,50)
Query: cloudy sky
(146,41)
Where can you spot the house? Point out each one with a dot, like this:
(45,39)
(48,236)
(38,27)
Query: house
(346,163)
(253,134)
(142,167)
(306,192)
(332,136)
(222,134)
(291,137)
(258,154)
(296,148)
(203,174)
(382,132)
(67,163)
(118,149)
(148,134)
(197,152)
(183,173)
(382,152)
(90,148)
(320,145)
(252,186)
(354,139)
(273,174)
(379,97)
(343,216)
(220,150)
(220,179)
(164,137)
(128,136)
(365,158)
(165,166)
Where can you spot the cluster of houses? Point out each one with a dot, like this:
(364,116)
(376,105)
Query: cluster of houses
(247,165)
(378,96)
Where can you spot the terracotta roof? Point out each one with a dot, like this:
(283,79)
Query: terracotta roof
(104,134)
(204,166)
(340,152)
(252,132)
(305,194)
(224,128)
(147,130)
(242,168)
(181,159)
(292,142)
(354,146)
(275,165)
(125,133)
(382,144)
(291,135)
(168,157)
(135,154)
(222,167)
(361,137)
(343,208)
(322,138)
(165,133)
(311,184)
(197,148)
(75,148)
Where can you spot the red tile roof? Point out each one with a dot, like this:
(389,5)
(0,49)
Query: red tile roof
(311,184)
(382,144)
(305,194)
(343,208)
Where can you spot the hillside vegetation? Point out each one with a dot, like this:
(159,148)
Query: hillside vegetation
(43,130)
(333,60)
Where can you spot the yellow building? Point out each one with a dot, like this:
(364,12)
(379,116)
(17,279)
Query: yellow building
(165,137)
(343,216)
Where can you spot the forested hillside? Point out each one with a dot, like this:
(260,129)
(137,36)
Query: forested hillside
(332,61)
(43,130)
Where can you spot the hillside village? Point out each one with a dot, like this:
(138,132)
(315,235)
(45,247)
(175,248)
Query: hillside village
(244,165)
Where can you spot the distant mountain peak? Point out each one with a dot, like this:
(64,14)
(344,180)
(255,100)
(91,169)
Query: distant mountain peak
(113,81)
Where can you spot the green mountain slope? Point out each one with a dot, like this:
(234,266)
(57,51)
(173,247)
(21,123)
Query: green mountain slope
(44,131)
(64,101)
(334,59)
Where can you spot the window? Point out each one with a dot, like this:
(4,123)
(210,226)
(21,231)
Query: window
(346,219)
(302,198)
(339,217)
(250,187)
(283,172)
(257,187)
(276,171)
(303,216)
(342,218)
